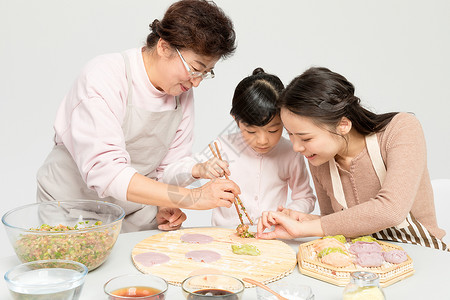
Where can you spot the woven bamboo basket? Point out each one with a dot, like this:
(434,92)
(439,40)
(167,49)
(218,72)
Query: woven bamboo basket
(309,264)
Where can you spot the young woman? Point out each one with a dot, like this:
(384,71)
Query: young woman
(130,115)
(257,157)
(369,170)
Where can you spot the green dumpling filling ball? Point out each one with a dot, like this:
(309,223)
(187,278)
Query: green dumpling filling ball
(246,249)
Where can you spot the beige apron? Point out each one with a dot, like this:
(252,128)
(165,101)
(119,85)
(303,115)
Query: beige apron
(410,230)
(148,136)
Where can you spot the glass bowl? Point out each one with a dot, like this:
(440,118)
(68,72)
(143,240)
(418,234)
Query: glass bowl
(46,279)
(212,286)
(288,290)
(81,230)
(139,286)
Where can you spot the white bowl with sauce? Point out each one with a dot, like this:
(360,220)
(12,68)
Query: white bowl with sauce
(212,286)
(136,286)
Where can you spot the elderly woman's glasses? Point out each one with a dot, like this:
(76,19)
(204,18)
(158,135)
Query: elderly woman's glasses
(193,74)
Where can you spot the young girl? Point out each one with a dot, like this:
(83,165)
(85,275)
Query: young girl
(369,170)
(261,162)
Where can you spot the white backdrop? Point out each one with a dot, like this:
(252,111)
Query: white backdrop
(395,52)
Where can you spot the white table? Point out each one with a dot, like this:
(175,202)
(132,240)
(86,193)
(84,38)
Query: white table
(431,280)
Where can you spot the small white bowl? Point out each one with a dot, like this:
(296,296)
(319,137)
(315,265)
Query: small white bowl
(288,290)
(46,279)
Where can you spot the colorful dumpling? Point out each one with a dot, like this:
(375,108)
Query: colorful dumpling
(395,256)
(329,250)
(338,237)
(328,243)
(365,247)
(366,238)
(370,259)
(336,259)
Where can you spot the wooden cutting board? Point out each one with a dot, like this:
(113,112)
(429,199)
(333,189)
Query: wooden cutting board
(277,259)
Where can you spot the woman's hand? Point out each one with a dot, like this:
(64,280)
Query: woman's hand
(169,218)
(296,215)
(288,224)
(215,193)
(213,168)
(285,226)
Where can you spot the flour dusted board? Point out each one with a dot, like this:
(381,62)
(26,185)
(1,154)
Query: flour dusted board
(277,259)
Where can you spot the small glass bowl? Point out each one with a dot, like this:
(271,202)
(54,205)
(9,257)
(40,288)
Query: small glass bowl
(286,289)
(47,279)
(136,286)
(212,286)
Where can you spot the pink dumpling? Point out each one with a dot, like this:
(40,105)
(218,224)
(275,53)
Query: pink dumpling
(395,256)
(370,259)
(365,247)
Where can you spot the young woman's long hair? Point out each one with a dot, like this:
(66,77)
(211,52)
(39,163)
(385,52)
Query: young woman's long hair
(326,97)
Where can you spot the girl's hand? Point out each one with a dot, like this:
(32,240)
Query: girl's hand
(296,215)
(169,218)
(213,168)
(285,226)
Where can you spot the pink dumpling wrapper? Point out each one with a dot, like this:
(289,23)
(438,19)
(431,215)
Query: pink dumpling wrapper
(196,238)
(206,256)
(149,259)
(395,256)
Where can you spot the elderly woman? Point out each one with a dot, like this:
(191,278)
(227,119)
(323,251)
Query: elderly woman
(130,115)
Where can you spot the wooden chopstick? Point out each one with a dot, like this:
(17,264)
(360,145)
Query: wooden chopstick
(237,197)
(238,200)
(235,204)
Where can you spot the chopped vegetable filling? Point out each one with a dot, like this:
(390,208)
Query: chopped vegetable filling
(88,247)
